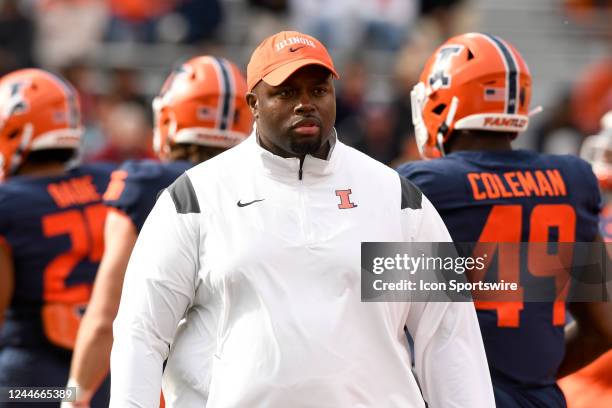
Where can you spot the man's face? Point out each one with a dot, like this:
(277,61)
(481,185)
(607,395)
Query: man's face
(296,117)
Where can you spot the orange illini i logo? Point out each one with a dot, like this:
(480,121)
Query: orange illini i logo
(345,199)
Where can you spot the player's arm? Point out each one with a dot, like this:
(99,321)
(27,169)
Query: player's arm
(7,279)
(91,357)
(159,286)
(590,334)
(450,360)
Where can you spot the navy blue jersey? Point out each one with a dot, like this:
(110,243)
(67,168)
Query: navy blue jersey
(515,196)
(135,185)
(53,227)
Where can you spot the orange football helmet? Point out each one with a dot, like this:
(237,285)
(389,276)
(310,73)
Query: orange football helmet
(472,81)
(202,102)
(38,111)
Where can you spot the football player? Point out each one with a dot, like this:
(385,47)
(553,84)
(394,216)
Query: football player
(597,150)
(200,112)
(471,102)
(51,229)
(591,387)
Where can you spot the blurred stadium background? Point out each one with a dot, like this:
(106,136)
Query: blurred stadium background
(117,53)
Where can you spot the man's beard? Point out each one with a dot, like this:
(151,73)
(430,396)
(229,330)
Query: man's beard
(303,148)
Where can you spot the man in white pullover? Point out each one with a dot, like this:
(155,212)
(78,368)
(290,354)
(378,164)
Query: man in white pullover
(266,237)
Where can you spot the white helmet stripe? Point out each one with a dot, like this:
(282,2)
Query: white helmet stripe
(229,107)
(225,93)
(219,75)
(512,73)
(71,98)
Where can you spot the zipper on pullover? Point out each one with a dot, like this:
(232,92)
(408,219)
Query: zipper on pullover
(300,170)
(302,207)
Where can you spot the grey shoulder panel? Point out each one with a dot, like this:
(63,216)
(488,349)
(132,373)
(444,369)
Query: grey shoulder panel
(411,195)
(184,196)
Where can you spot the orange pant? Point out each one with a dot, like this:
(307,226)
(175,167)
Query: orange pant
(590,387)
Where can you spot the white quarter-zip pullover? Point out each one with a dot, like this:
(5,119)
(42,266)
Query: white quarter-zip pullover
(273,261)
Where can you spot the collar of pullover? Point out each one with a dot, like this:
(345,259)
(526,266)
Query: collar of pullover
(288,169)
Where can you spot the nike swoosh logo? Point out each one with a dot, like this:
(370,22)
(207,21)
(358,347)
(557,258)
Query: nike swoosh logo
(292,49)
(239,204)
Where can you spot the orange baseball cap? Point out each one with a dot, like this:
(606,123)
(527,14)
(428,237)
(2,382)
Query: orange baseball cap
(281,54)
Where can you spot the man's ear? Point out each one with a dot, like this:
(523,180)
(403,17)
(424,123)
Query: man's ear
(251,99)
